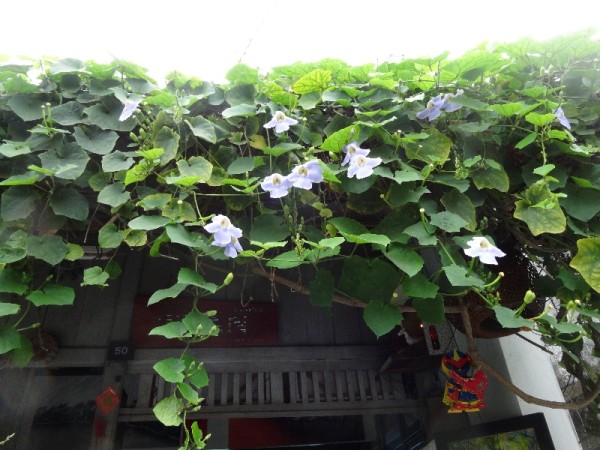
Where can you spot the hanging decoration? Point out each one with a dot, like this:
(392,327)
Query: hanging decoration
(465,385)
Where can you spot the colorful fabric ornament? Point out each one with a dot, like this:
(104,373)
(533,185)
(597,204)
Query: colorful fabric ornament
(465,385)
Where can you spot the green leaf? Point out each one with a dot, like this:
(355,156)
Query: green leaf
(95,140)
(470,102)
(544,170)
(430,310)
(491,176)
(241,165)
(52,294)
(8,309)
(332,242)
(114,195)
(167,411)
(148,223)
(69,113)
(110,236)
(24,179)
(69,203)
(178,234)
(171,330)
(50,248)
(579,203)
(21,356)
(460,204)
(507,109)
(197,435)
(117,161)
(95,276)
(310,100)
(14,248)
(434,149)
(18,202)
(200,378)
(168,140)
(12,282)
(203,128)
(447,221)
(12,149)
(171,369)
(459,276)
(369,279)
(155,201)
(547,219)
(281,149)
(269,228)
(196,167)
(419,286)
(529,139)
(200,324)
(67,162)
(107,117)
(561,327)
(406,259)
(587,261)
(317,80)
(507,319)
(322,289)
(27,107)
(381,318)
(188,276)
(170,292)
(347,225)
(239,111)
(10,338)
(286,260)
(189,393)
(540,119)
(336,141)
(242,74)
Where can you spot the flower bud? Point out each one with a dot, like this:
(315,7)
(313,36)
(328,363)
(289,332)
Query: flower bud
(228,279)
(529,297)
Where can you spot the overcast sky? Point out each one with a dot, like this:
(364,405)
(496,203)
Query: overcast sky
(205,38)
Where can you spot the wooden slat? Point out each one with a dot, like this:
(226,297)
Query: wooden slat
(261,388)
(144,390)
(210,398)
(352,385)
(386,386)
(276,387)
(375,392)
(316,387)
(339,385)
(160,389)
(224,391)
(362,384)
(304,386)
(249,388)
(329,385)
(236,388)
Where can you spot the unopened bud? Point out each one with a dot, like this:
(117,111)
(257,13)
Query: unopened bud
(529,297)
(180,202)
(578,302)
(422,210)
(501,275)
(228,279)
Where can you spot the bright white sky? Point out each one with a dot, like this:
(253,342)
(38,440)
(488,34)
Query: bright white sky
(205,38)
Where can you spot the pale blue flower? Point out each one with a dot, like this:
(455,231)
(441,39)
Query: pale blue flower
(353,149)
(223,231)
(362,166)
(129,108)
(232,248)
(480,247)
(433,109)
(276,185)
(281,122)
(304,175)
(560,115)
(448,105)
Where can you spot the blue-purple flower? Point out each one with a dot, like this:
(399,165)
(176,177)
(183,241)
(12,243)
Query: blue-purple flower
(281,122)
(448,105)
(362,166)
(225,235)
(276,185)
(304,175)
(129,108)
(560,115)
(353,149)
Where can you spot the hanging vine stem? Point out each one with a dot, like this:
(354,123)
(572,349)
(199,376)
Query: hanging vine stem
(472,347)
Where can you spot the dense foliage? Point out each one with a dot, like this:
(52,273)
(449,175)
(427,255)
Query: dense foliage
(378,179)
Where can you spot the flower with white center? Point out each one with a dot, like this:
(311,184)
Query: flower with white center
(232,248)
(276,185)
(560,115)
(480,247)
(353,149)
(448,105)
(433,109)
(304,175)
(129,108)
(223,231)
(362,166)
(281,122)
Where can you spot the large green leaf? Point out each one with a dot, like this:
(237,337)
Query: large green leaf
(336,141)
(200,324)
(171,330)
(406,259)
(317,80)
(587,261)
(69,203)
(188,276)
(419,286)
(69,113)
(95,276)
(507,318)
(67,162)
(242,74)
(8,309)
(49,248)
(239,111)
(148,223)
(167,411)
(430,310)
(458,203)
(170,292)
(18,202)
(381,318)
(540,211)
(269,228)
(434,149)
(491,176)
(369,279)
(12,281)
(287,260)
(447,221)
(116,161)
(107,118)
(27,106)
(203,128)
(110,236)
(195,167)
(168,140)
(9,338)
(459,276)
(322,289)
(178,234)
(171,369)
(114,195)
(95,140)
(53,294)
